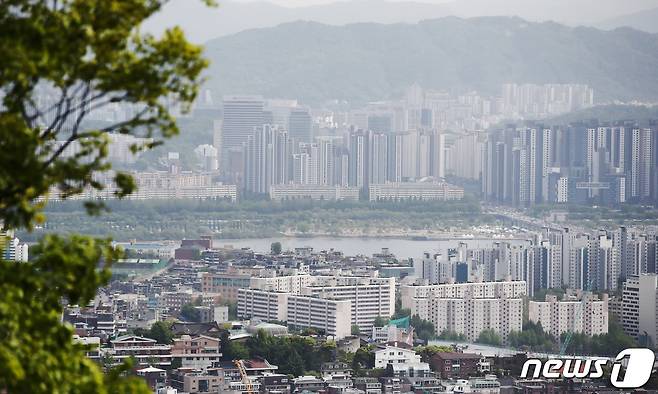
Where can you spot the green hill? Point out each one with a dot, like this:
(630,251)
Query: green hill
(361,62)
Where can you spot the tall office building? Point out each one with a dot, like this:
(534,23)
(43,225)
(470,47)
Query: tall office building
(266,159)
(378,157)
(242,114)
(640,308)
(300,124)
(217,139)
(358,158)
(326,161)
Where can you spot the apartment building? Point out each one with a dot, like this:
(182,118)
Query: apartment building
(415,191)
(313,192)
(370,297)
(289,283)
(469,308)
(640,306)
(367,298)
(588,316)
(11,248)
(332,316)
(264,305)
(226,285)
(509,289)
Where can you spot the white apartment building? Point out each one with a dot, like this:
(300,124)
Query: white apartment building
(159,185)
(640,306)
(289,283)
(508,289)
(588,316)
(12,249)
(313,192)
(415,190)
(265,305)
(368,298)
(469,308)
(332,316)
(471,316)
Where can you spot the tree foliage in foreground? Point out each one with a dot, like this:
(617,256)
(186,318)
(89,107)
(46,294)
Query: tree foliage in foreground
(59,61)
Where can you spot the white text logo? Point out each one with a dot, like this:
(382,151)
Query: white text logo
(638,369)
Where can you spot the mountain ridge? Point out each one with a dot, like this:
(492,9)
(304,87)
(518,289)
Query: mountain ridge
(644,20)
(362,62)
(202,24)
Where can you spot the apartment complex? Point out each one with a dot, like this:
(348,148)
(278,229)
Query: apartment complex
(313,192)
(469,308)
(430,190)
(227,285)
(588,315)
(160,185)
(333,304)
(588,163)
(332,316)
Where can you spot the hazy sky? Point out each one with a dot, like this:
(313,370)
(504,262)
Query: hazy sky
(302,3)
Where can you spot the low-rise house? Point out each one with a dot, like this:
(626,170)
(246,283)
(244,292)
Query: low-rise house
(335,369)
(393,385)
(456,365)
(155,377)
(368,385)
(146,351)
(307,383)
(401,362)
(425,385)
(198,352)
(189,380)
(275,383)
(93,346)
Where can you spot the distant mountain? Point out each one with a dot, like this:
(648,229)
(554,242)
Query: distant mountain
(203,24)
(646,20)
(363,62)
(569,12)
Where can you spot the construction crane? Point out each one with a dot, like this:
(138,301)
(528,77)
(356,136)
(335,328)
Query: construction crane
(578,316)
(249,387)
